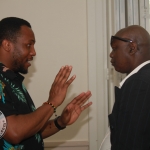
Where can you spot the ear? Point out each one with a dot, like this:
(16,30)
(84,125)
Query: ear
(6,45)
(133,48)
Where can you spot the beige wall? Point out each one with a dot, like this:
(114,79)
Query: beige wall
(60,28)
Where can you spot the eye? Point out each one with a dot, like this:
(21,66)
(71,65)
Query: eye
(29,45)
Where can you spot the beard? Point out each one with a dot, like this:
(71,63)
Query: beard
(19,68)
(17,63)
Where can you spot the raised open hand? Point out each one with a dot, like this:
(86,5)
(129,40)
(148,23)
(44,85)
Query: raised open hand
(73,110)
(60,85)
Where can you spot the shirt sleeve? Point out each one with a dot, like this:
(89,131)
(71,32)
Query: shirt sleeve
(7,100)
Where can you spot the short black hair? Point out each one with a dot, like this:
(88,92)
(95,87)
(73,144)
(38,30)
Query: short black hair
(10,27)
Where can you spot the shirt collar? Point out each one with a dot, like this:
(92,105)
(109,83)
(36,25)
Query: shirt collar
(9,73)
(133,72)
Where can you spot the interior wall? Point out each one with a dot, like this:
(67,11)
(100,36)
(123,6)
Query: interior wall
(60,28)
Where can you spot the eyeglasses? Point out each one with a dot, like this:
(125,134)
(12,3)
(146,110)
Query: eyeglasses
(119,38)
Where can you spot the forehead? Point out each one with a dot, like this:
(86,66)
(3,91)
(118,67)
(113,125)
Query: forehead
(26,34)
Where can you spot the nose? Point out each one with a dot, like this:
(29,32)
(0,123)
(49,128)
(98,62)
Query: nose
(33,52)
(111,54)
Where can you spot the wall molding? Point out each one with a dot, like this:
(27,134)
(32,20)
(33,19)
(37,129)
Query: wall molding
(97,69)
(66,145)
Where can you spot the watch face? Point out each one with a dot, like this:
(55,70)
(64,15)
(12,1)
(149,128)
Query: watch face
(3,124)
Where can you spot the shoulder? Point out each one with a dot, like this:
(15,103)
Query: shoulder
(141,78)
(143,74)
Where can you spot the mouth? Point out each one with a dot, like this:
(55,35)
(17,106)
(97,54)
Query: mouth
(112,63)
(29,61)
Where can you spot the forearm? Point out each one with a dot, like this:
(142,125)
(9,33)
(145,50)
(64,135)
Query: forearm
(20,127)
(52,127)
(49,129)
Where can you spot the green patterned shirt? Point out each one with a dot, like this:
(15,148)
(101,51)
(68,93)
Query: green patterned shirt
(15,100)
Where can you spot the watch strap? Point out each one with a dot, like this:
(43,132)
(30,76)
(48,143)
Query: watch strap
(57,125)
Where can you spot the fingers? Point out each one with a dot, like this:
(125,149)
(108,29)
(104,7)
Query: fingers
(65,73)
(60,85)
(58,74)
(63,76)
(81,98)
(86,106)
(86,96)
(70,81)
(79,102)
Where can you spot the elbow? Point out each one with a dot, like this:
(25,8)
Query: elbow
(13,138)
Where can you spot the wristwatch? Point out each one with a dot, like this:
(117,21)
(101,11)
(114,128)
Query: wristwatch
(57,125)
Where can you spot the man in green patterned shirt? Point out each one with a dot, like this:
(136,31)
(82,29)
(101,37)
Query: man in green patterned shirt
(22,127)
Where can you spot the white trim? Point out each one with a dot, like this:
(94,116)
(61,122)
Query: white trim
(111,30)
(97,65)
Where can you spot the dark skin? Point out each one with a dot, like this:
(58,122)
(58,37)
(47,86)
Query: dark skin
(20,127)
(126,56)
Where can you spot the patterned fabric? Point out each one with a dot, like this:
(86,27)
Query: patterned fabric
(15,100)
